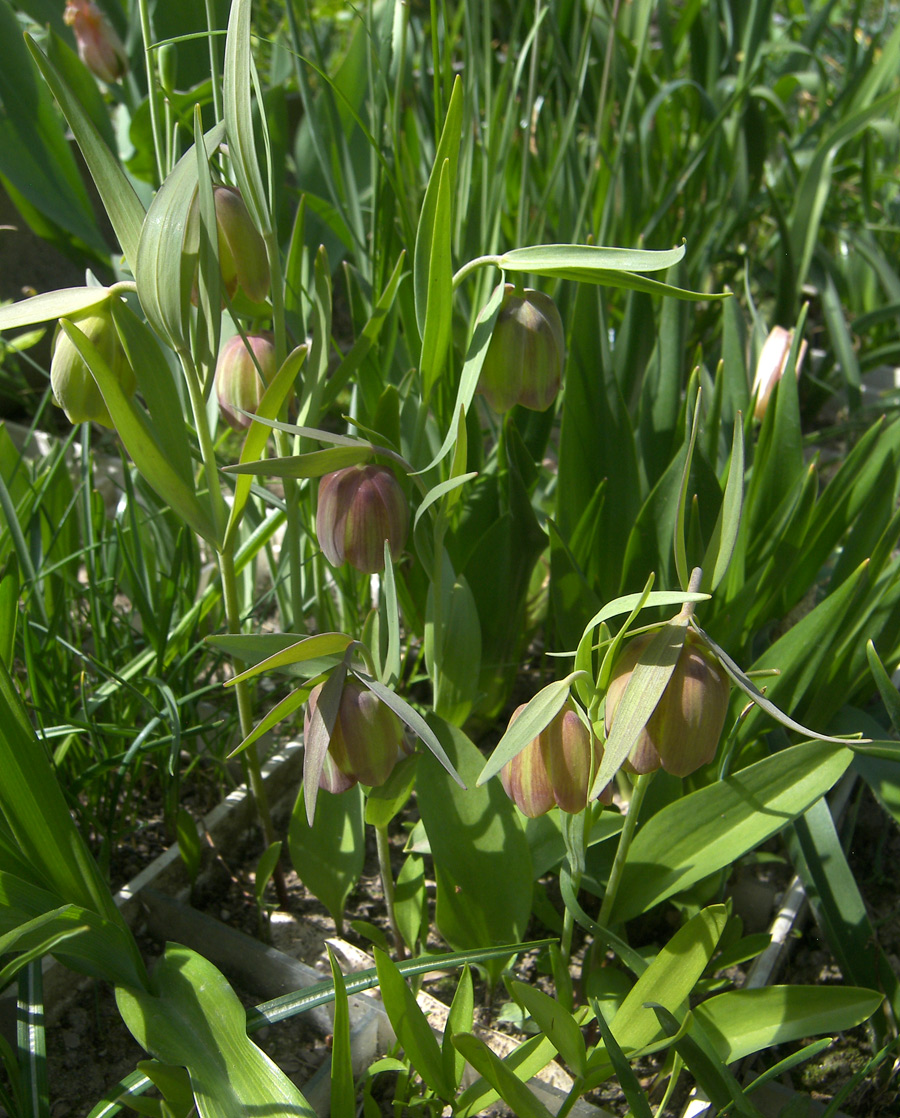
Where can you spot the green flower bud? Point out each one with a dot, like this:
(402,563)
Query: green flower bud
(557,768)
(524,361)
(359,508)
(74,389)
(366,742)
(683,731)
(242,251)
(238,383)
(243,262)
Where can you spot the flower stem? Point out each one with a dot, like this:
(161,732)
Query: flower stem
(627,834)
(249,756)
(387,881)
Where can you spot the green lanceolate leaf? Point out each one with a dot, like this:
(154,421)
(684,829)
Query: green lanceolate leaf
(51,305)
(161,266)
(504,1079)
(343,1088)
(411,1026)
(459,1020)
(439,306)
(724,538)
(556,1023)
(195,1020)
(447,155)
(239,114)
(710,828)
(125,212)
(539,712)
(740,1022)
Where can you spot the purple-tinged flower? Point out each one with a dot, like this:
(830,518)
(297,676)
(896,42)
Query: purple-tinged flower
(359,508)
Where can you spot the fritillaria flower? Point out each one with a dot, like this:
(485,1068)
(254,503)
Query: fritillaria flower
(771,364)
(99,47)
(359,508)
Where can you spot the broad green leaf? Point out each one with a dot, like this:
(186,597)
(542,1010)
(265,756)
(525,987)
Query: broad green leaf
(329,856)
(555,1022)
(455,666)
(504,1079)
(141,441)
(716,825)
(411,1026)
(410,900)
(36,161)
(539,712)
(740,1022)
(65,302)
(343,1087)
(446,156)
(195,1020)
(125,212)
(481,855)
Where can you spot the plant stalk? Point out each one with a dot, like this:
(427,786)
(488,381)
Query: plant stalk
(627,834)
(383,843)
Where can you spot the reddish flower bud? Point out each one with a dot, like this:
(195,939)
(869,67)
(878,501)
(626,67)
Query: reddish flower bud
(524,361)
(557,768)
(238,383)
(366,742)
(359,508)
(74,388)
(683,731)
(771,364)
(99,47)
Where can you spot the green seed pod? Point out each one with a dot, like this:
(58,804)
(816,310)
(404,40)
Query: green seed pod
(366,742)
(74,389)
(683,731)
(524,361)
(359,508)
(557,768)
(238,383)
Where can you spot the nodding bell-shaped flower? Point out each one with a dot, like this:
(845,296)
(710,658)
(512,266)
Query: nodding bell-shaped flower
(74,389)
(557,768)
(359,508)
(99,47)
(238,383)
(771,364)
(524,361)
(683,731)
(366,742)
